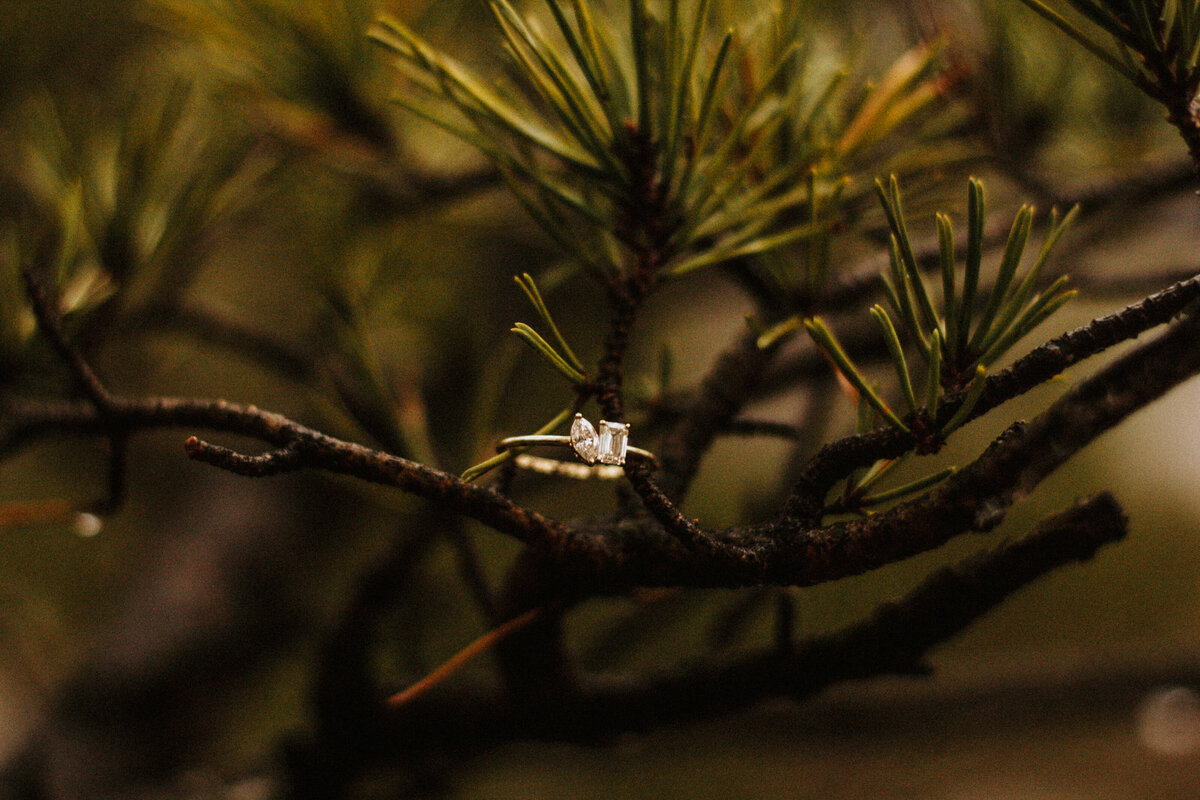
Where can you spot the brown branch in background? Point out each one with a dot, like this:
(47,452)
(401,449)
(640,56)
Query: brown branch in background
(430,188)
(345,697)
(234,335)
(764,427)
(722,394)
(1144,183)
(1130,285)
(893,639)
(953,597)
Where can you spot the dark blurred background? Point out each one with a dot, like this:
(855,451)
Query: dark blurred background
(278,234)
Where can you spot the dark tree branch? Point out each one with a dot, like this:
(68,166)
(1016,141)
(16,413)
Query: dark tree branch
(1144,183)
(893,639)
(764,427)
(687,531)
(283,459)
(723,392)
(790,552)
(607,558)
(344,687)
(1178,94)
(976,497)
(317,450)
(117,466)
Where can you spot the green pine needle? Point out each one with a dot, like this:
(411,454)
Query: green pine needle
(875,473)
(483,467)
(1078,34)
(825,339)
(933,384)
(1035,315)
(641,60)
(913,487)
(774,334)
(1013,250)
(949,303)
(894,210)
(529,287)
(546,351)
(901,290)
(896,350)
(974,391)
(975,215)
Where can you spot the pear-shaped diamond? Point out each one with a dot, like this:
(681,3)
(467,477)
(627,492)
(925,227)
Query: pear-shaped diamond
(584,439)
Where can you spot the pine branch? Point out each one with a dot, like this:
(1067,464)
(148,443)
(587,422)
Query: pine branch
(792,550)
(838,459)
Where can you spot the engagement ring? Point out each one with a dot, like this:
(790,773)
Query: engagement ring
(608,446)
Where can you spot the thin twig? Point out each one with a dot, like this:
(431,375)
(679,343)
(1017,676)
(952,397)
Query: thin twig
(687,531)
(764,427)
(29,419)
(462,658)
(283,459)
(50,324)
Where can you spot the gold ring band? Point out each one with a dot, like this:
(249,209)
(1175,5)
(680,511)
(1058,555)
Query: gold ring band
(608,446)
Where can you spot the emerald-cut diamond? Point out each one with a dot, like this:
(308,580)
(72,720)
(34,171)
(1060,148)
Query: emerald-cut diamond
(584,440)
(614,440)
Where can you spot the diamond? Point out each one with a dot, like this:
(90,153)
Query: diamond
(584,439)
(614,439)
